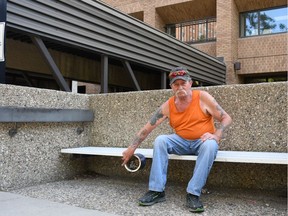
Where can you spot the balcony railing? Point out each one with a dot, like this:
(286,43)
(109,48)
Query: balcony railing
(194,31)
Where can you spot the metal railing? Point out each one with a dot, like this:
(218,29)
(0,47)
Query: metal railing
(194,31)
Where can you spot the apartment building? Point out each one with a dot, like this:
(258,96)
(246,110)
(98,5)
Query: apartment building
(249,35)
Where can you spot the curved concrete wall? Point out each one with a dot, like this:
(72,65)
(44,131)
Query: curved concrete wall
(258,112)
(33,156)
(259,115)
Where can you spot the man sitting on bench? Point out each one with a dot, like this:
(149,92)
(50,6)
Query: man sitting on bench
(191,114)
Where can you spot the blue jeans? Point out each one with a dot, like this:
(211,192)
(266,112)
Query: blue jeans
(174,144)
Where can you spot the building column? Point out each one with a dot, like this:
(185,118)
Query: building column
(151,17)
(74,86)
(227,36)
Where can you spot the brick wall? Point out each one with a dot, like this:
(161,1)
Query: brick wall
(227,34)
(227,31)
(263,54)
(120,3)
(209,48)
(126,6)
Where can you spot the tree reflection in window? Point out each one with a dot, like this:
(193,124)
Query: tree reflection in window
(265,22)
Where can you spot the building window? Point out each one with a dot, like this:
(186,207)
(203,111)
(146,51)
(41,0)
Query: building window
(194,31)
(269,21)
(281,77)
(81,89)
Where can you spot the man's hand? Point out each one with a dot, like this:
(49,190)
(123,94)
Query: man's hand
(207,136)
(127,154)
(159,116)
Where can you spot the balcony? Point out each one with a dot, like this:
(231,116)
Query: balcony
(196,31)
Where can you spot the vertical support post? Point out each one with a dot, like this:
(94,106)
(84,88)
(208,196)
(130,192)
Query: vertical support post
(104,73)
(163,80)
(3,11)
(207,30)
(74,86)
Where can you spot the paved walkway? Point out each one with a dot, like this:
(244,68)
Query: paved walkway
(104,196)
(18,205)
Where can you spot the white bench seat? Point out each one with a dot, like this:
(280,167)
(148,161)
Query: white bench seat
(222,156)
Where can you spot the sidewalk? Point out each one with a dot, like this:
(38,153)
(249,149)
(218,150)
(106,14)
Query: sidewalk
(107,196)
(18,205)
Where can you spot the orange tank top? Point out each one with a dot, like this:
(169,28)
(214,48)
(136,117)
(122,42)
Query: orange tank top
(192,123)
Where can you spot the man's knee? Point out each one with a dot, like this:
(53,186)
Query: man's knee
(210,146)
(160,141)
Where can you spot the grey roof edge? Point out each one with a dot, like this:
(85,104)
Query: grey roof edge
(154,30)
(165,59)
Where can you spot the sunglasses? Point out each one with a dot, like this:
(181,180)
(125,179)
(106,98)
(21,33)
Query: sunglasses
(177,73)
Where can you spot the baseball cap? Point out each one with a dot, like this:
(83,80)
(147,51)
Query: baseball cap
(179,73)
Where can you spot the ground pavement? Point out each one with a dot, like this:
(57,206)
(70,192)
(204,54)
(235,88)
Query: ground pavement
(100,195)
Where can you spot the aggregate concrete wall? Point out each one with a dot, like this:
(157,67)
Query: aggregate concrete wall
(259,115)
(33,156)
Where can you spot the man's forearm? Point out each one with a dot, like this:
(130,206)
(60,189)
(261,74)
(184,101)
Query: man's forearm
(226,121)
(139,138)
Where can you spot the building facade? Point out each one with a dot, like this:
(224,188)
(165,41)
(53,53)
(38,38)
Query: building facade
(249,35)
(68,44)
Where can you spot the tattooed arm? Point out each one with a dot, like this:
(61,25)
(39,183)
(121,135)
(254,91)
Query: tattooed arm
(210,106)
(155,120)
(158,117)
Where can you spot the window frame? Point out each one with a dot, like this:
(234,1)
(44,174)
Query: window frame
(242,27)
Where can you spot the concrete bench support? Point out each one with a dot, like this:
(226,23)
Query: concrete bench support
(222,156)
